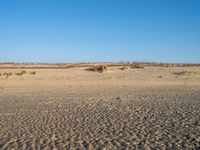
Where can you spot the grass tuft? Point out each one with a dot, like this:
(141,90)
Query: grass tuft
(6,74)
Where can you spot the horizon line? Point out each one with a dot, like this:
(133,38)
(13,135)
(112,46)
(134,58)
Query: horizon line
(94,62)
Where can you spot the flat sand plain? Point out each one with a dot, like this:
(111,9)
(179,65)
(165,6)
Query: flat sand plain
(151,108)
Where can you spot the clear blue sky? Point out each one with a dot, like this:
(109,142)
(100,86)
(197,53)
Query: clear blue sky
(100,30)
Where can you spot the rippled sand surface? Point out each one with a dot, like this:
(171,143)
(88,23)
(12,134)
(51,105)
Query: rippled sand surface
(100,111)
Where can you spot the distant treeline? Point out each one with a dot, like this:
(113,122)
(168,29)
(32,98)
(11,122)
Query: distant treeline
(11,65)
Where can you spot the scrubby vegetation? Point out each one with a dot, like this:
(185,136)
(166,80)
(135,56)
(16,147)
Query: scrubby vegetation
(124,68)
(138,65)
(5,74)
(33,72)
(187,73)
(100,68)
(23,72)
(10,65)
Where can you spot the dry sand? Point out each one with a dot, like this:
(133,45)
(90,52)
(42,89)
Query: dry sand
(151,108)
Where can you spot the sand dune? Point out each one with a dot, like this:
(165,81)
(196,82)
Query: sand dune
(151,108)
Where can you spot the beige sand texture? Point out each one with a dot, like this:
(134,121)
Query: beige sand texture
(150,108)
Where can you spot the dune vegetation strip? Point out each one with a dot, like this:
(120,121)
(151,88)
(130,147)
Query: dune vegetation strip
(10,65)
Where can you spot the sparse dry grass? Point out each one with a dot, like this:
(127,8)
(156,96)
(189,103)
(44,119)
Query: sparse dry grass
(23,72)
(187,73)
(5,74)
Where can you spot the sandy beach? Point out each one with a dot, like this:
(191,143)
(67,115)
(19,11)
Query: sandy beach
(150,108)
